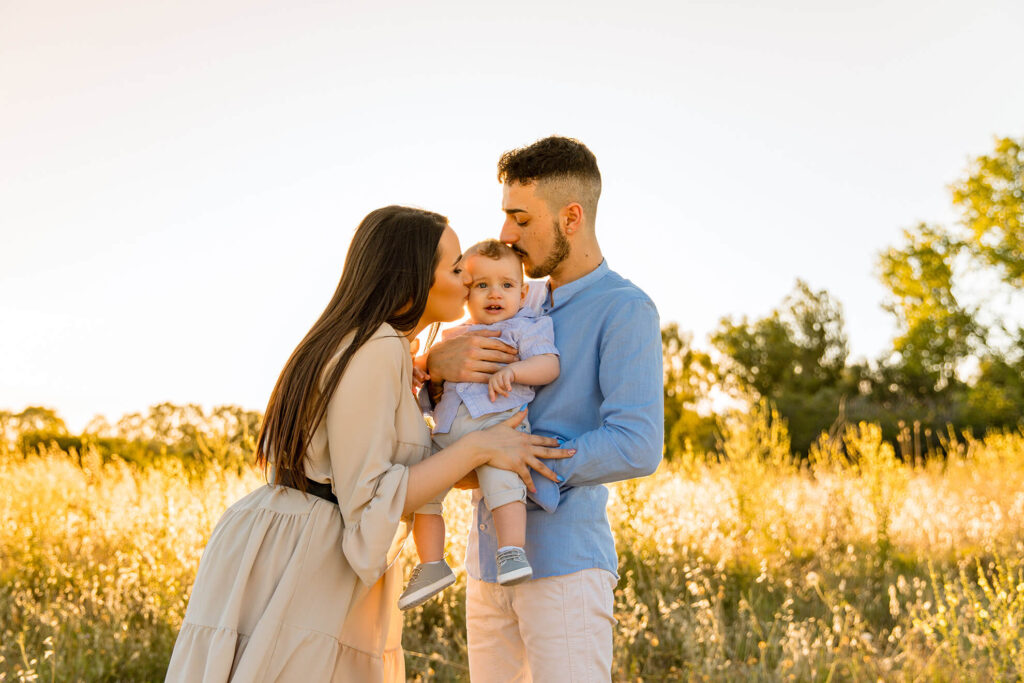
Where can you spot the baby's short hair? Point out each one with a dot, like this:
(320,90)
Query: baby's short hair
(492,249)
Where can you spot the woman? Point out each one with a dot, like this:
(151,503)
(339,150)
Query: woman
(298,582)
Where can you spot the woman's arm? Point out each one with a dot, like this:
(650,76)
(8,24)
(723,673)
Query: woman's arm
(500,446)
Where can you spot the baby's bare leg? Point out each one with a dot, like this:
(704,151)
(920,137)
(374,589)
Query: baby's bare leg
(428,534)
(510,524)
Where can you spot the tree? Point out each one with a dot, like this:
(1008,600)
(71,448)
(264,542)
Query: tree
(795,357)
(996,399)
(689,375)
(991,201)
(800,347)
(936,332)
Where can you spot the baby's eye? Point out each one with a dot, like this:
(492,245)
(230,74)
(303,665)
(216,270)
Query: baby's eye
(481,285)
(507,285)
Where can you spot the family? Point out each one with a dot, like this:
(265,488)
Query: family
(550,390)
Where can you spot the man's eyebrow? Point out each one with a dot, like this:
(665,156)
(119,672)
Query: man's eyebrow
(512,211)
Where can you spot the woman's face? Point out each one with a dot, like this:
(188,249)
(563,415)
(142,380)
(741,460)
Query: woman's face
(451,283)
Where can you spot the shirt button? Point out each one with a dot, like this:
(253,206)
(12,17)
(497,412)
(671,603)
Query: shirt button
(483,527)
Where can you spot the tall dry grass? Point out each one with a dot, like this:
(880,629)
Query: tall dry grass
(853,566)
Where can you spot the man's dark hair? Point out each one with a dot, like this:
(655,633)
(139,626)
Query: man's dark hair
(553,157)
(564,167)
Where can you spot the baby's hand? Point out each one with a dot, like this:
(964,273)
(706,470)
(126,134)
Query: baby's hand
(501,383)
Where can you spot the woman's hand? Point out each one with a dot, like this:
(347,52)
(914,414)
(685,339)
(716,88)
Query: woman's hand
(506,448)
(419,365)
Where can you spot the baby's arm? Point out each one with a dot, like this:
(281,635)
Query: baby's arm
(534,371)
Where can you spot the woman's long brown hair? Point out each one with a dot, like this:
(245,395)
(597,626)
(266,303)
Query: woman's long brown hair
(387,275)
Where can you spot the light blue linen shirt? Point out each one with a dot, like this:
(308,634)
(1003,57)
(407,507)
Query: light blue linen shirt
(529,332)
(607,403)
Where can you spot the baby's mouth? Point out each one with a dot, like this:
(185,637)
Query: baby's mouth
(494,309)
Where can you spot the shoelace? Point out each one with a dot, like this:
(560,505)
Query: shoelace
(415,573)
(508,555)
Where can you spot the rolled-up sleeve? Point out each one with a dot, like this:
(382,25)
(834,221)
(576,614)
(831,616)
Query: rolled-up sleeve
(362,439)
(537,338)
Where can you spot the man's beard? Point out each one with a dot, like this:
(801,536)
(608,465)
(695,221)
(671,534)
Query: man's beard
(559,252)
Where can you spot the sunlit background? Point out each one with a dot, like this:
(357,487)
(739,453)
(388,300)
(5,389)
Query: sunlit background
(179,180)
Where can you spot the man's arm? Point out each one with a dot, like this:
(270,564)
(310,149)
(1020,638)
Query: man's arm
(629,442)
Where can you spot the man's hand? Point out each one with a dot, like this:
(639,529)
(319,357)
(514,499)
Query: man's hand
(470,357)
(500,383)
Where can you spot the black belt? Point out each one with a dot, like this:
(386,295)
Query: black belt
(319,490)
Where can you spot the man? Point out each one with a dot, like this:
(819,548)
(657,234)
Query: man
(607,404)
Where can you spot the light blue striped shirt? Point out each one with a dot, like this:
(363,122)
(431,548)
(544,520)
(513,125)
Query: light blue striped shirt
(532,334)
(607,403)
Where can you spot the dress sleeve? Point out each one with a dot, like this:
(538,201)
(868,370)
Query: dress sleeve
(362,440)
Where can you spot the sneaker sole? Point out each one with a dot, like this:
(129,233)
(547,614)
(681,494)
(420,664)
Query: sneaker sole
(425,593)
(518,576)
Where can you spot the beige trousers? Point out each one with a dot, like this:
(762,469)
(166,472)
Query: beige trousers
(556,629)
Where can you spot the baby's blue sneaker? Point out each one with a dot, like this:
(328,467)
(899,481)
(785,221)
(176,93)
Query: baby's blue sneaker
(513,567)
(427,581)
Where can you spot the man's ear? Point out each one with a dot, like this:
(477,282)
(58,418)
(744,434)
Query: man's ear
(571,218)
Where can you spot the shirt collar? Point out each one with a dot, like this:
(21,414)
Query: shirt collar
(561,295)
(524,312)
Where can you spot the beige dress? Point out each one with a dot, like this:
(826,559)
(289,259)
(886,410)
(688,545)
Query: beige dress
(292,587)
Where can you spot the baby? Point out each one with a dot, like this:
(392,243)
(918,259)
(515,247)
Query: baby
(495,302)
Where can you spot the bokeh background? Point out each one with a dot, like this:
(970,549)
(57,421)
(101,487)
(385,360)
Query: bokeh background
(179,180)
(825,200)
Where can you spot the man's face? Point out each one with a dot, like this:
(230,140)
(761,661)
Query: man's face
(532,230)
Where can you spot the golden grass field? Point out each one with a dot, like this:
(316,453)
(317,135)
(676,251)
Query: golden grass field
(851,566)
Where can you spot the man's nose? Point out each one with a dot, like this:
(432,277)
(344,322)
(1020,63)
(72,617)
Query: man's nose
(509,235)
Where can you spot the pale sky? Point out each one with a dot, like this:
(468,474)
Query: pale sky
(179,180)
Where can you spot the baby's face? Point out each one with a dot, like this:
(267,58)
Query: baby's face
(497,290)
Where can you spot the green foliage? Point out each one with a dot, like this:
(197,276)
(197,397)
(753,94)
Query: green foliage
(936,331)
(991,200)
(796,357)
(996,399)
(688,377)
(34,419)
(226,436)
(922,380)
(800,347)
